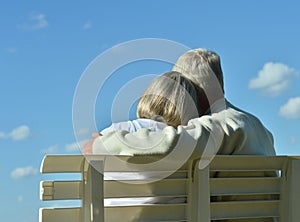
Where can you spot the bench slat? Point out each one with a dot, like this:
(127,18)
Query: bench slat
(244,186)
(61,190)
(62,164)
(247,163)
(244,209)
(149,213)
(166,187)
(73,164)
(60,215)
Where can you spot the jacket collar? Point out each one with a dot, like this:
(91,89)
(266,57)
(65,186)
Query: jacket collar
(218,106)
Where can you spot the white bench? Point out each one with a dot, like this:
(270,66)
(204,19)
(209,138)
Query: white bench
(208,197)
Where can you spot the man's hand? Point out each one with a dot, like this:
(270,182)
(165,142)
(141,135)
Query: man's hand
(88,146)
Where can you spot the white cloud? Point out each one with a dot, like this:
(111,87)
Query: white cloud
(87,25)
(40,21)
(75,147)
(19,133)
(23,172)
(50,149)
(274,78)
(291,110)
(36,21)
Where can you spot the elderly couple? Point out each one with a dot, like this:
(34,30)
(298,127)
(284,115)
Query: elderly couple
(186,107)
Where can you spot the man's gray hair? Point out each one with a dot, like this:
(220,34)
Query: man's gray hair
(201,66)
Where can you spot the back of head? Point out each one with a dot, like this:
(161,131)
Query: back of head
(203,67)
(171,97)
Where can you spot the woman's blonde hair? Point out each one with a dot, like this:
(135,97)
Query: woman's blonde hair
(171,98)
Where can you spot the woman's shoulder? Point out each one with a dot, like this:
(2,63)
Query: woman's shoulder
(134,125)
(150,124)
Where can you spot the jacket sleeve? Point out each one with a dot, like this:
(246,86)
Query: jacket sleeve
(201,135)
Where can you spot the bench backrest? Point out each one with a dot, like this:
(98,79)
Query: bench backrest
(231,187)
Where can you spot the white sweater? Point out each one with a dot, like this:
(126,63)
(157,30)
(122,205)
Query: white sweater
(134,125)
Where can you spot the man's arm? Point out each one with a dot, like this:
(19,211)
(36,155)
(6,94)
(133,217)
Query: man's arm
(201,135)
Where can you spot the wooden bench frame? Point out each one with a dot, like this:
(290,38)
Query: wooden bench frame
(198,186)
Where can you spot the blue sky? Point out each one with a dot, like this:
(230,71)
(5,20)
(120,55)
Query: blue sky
(46,46)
